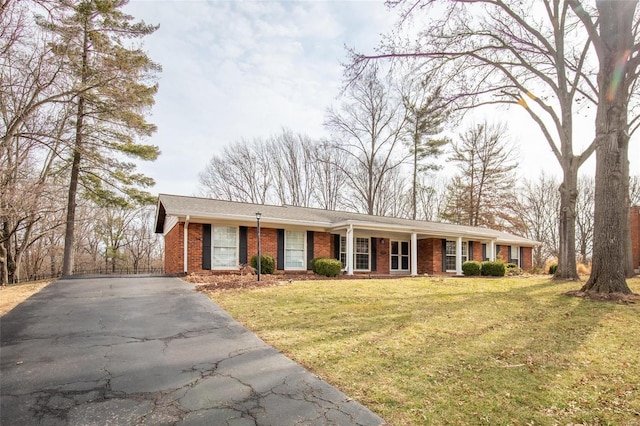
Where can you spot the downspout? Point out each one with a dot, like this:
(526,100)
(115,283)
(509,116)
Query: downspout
(185,255)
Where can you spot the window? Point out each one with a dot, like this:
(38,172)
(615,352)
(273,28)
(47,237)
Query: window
(399,255)
(294,250)
(225,247)
(361,252)
(450,260)
(514,255)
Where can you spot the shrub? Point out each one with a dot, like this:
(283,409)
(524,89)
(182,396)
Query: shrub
(267,264)
(553,268)
(513,269)
(471,268)
(327,267)
(493,269)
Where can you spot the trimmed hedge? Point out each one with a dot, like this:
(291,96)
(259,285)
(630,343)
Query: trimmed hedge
(327,267)
(471,268)
(267,264)
(493,269)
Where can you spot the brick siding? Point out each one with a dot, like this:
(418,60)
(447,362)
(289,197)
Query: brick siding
(173,250)
(635,235)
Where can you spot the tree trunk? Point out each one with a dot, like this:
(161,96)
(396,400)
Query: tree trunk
(567,224)
(611,213)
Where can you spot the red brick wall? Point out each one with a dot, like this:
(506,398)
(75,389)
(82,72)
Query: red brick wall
(430,256)
(635,235)
(322,244)
(527,261)
(194,256)
(268,243)
(173,250)
(477,251)
(503,253)
(382,255)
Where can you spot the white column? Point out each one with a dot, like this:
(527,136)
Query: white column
(459,256)
(492,250)
(350,250)
(414,254)
(186,245)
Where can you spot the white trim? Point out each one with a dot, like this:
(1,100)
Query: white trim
(304,251)
(237,249)
(413,251)
(185,255)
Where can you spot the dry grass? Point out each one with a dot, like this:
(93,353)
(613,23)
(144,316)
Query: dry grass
(14,294)
(458,351)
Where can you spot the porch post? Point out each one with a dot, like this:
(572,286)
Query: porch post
(414,254)
(185,254)
(459,256)
(492,250)
(350,250)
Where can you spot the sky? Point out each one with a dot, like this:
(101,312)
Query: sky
(236,70)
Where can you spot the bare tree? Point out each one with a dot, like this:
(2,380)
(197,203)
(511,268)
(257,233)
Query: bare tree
(584,217)
(482,194)
(241,173)
(539,206)
(330,175)
(292,168)
(613,30)
(501,52)
(368,129)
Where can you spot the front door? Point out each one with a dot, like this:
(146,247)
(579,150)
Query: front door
(399,255)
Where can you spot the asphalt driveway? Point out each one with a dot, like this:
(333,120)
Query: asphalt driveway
(151,351)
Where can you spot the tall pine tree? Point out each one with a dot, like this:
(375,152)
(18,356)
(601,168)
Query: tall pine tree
(115,87)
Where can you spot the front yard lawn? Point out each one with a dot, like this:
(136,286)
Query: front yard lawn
(512,351)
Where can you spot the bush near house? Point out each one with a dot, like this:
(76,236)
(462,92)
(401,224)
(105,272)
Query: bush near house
(267,264)
(493,269)
(326,267)
(512,269)
(471,268)
(553,268)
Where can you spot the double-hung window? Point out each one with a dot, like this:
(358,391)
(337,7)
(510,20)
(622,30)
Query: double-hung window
(361,253)
(225,247)
(514,255)
(450,260)
(294,250)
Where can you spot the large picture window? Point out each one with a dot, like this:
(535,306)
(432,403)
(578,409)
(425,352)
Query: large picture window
(361,253)
(450,261)
(225,247)
(294,250)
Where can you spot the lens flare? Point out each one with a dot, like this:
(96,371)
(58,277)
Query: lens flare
(618,73)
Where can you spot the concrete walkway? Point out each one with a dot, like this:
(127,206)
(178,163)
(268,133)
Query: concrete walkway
(151,351)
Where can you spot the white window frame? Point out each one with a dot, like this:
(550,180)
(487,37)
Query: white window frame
(515,259)
(400,255)
(214,266)
(465,253)
(343,252)
(287,251)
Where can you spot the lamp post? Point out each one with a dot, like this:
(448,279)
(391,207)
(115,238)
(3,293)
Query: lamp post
(259,262)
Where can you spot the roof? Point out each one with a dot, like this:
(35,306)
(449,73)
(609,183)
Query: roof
(196,209)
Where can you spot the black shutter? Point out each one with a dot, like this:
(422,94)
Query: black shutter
(484,252)
(206,246)
(336,246)
(310,235)
(374,257)
(470,254)
(243,245)
(280,254)
(509,255)
(521,265)
(444,255)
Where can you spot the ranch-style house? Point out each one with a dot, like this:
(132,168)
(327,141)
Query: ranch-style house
(206,235)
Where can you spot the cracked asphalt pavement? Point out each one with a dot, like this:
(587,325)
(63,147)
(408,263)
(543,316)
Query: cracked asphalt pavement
(151,351)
